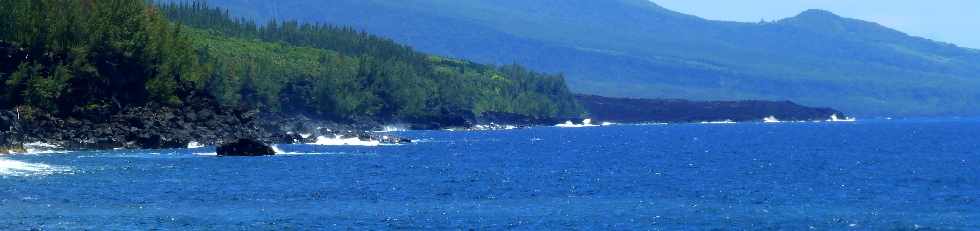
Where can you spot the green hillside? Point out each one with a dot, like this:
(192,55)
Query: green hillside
(104,56)
(636,48)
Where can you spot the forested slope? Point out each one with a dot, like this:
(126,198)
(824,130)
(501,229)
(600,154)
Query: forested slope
(635,48)
(81,57)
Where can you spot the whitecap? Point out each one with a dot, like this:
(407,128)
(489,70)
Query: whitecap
(491,127)
(771,119)
(426,140)
(19,168)
(836,118)
(340,141)
(41,145)
(194,144)
(279,151)
(42,148)
(719,122)
(570,124)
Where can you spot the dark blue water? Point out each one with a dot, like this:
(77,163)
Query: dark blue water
(878,175)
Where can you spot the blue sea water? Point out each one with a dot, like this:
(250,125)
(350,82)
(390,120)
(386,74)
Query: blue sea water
(870,175)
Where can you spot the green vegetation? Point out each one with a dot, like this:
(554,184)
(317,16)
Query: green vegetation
(73,57)
(635,48)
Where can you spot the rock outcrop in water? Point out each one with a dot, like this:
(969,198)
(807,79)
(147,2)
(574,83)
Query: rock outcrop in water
(626,110)
(245,147)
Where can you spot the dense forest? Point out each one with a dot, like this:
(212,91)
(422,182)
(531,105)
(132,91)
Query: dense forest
(75,57)
(78,56)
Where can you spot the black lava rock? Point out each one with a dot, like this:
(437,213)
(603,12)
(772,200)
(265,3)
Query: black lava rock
(245,147)
(626,110)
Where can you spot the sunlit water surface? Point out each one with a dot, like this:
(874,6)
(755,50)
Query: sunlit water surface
(892,175)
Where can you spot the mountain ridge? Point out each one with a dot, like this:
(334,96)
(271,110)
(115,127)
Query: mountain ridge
(635,48)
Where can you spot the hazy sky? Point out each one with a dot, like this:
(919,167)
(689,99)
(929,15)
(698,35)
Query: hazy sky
(953,21)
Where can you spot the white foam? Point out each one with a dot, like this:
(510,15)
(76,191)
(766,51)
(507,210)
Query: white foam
(608,123)
(42,148)
(491,127)
(570,124)
(719,122)
(340,141)
(194,144)
(206,153)
(771,119)
(41,145)
(19,168)
(276,149)
(836,118)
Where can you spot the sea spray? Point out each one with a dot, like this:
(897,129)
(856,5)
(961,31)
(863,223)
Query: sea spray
(771,119)
(836,118)
(570,124)
(18,168)
(42,148)
(339,140)
(194,145)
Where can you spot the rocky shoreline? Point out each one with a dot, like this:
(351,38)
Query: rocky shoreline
(154,127)
(205,123)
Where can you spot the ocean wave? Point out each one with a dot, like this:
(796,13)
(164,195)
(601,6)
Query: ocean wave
(42,148)
(771,119)
(341,141)
(194,145)
(719,122)
(570,124)
(19,168)
(836,118)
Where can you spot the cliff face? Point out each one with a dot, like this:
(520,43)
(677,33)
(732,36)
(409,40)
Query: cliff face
(627,110)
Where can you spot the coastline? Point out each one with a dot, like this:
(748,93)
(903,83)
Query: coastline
(205,123)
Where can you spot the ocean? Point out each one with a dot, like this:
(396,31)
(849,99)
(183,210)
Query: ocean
(921,174)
